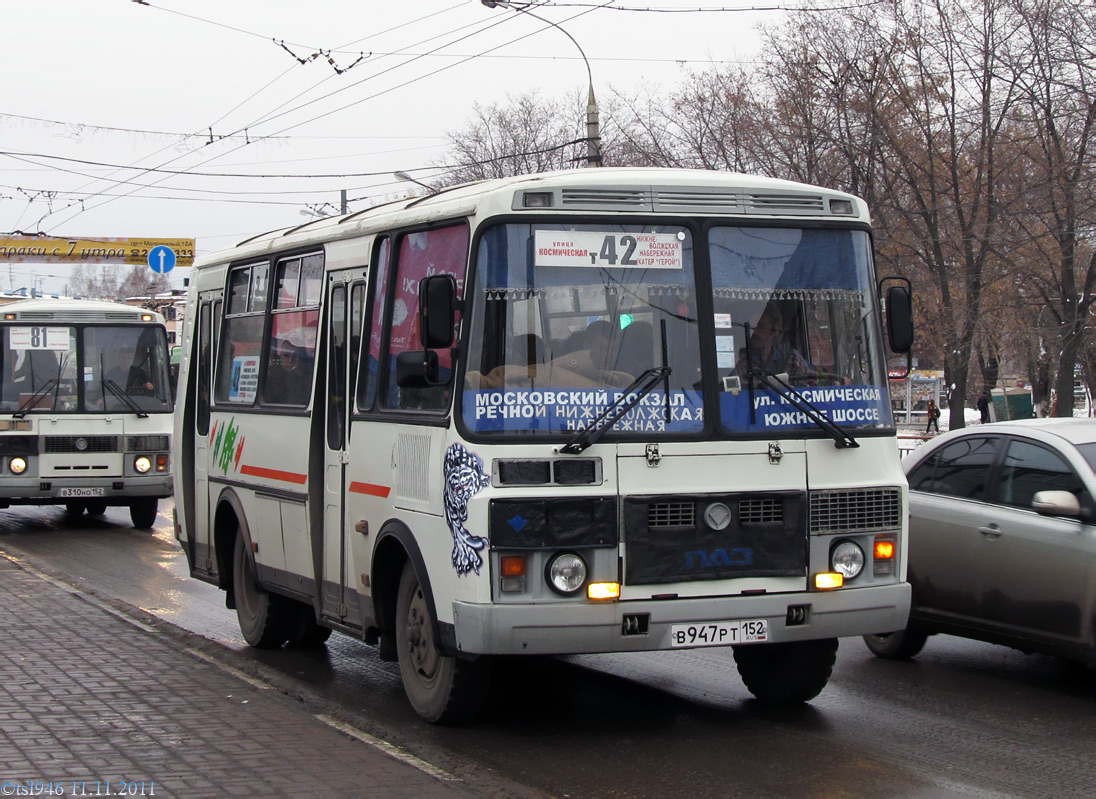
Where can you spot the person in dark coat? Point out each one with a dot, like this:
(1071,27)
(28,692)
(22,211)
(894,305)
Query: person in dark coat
(983,406)
(933,414)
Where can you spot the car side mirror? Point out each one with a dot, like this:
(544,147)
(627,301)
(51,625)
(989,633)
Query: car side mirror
(1056,503)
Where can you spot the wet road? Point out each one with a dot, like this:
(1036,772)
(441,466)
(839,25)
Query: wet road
(964,719)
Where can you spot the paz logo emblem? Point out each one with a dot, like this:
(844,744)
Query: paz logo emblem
(717,515)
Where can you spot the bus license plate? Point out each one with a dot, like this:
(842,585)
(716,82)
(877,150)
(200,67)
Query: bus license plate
(80,493)
(719,633)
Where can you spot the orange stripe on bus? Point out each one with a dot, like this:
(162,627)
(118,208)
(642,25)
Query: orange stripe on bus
(369,488)
(274,474)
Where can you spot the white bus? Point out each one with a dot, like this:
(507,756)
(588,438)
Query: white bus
(85,407)
(605,410)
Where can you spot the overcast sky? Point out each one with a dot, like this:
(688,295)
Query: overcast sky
(99,91)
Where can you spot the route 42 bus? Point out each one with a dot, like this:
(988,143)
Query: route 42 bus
(85,407)
(610,410)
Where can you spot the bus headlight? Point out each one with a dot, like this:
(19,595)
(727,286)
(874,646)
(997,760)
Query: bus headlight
(566,573)
(142,464)
(847,559)
(17,465)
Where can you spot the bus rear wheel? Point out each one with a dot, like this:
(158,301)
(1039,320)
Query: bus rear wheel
(442,689)
(142,512)
(304,631)
(96,507)
(787,673)
(74,508)
(900,645)
(262,615)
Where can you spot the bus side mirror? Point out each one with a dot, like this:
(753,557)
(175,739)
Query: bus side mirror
(438,307)
(899,319)
(417,369)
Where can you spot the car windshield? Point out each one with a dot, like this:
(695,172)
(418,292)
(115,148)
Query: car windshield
(798,304)
(568,316)
(123,368)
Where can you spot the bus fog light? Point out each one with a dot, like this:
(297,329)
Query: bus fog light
(603,591)
(17,465)
(566,573)
(847,559)
(826,580)
(142,464)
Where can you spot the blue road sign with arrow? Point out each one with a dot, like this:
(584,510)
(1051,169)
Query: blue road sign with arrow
(161,259)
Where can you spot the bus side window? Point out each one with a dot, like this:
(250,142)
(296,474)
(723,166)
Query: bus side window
(336,375)
(378,276)
(357,321)
(205,355)
(238,370)
(428,252)
(290,358)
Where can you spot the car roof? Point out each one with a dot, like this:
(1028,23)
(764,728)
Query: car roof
(1072,431)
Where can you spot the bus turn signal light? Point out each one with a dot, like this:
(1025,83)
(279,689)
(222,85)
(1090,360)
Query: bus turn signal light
(827,580)
(513,565)
(603,590)
(884,549)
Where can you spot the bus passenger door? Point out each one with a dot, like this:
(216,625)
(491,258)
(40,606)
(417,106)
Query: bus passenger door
(205,331)
(336,602)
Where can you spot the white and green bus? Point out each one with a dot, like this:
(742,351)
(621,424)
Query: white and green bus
(608,410)
(85,407)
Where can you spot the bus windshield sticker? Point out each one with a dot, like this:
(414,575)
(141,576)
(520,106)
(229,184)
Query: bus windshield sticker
(608,250)
(38,337)
(464,478)
(570,410)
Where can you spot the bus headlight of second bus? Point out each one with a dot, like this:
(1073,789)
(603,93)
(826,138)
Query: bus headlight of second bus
(847,559)
(566,573)
(142,464)
(17,465)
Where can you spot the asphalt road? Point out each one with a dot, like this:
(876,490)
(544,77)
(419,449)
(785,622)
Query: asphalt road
(963,719)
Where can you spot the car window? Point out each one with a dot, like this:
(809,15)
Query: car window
(1088,452)
(958,469)
(1030,467)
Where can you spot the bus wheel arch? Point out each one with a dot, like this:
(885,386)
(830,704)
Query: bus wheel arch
(229,521)
(396,545)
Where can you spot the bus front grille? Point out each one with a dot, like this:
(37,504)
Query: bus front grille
(856,510)
(61,444)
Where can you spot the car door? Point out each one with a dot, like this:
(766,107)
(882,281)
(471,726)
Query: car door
(948,492)
(1035,567)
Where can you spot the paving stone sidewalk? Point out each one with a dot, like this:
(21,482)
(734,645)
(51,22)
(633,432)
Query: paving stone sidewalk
(91,705)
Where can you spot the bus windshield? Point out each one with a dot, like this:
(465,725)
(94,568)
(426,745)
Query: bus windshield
(123,369)
(796,305)
(568,316)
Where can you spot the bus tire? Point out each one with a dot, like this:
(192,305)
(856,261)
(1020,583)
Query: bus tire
(441,689)
(899,645)
(96,507)
(74,508)
(304,631)
(262,615)
(142,512)
(786,673)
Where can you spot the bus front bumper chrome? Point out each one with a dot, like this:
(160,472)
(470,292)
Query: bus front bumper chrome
(588,628)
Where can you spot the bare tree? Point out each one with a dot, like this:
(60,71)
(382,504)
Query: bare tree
(117,282)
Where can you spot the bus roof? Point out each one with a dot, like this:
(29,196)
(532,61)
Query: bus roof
(652,190)
(69,310)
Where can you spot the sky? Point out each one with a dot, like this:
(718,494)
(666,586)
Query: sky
(220,120)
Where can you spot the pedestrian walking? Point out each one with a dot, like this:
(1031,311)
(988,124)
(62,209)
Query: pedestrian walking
(983,405)
(933,417)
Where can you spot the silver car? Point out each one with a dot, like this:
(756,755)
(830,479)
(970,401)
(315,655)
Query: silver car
(1002,540)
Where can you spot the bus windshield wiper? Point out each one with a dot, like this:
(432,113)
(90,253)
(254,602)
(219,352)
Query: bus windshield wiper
(125,398)
(32,400)
(779,384)
(640,388)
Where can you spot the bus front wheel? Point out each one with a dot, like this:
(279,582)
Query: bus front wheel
(441,689)
(261,614)
(142,512)
(786,673)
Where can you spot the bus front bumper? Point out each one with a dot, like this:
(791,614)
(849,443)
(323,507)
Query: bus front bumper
(588,628)
(58,491)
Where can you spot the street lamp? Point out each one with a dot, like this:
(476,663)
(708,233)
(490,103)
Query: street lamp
(409,179)
(593,129)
